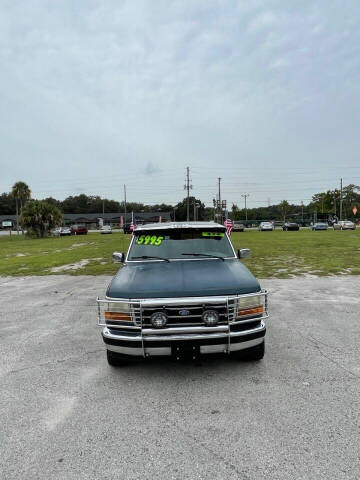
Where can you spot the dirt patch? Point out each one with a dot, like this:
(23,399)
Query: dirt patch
(74,266)
(71,266)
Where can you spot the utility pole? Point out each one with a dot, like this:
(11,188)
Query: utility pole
(302,212)
(125,205)
(245,195)
(341,198)
(17,216)
(220,206)
(103,208)
(187,187)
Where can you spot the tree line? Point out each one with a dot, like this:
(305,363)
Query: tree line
(19,202)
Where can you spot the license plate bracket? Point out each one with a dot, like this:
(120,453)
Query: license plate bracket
(185,351)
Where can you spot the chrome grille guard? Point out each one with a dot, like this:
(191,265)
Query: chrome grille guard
(137,313)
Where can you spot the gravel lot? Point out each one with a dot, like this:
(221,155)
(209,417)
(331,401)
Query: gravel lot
(65,414)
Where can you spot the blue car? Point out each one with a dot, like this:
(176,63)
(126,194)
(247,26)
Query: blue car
(319,226)
(182,292)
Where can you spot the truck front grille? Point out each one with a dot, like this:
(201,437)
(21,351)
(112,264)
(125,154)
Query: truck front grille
(187,314)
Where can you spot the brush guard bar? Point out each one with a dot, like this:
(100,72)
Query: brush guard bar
(135,327)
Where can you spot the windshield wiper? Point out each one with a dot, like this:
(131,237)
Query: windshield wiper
(150,257)
(204,255)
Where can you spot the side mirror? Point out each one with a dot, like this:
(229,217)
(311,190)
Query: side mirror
(118,257)
(244,253)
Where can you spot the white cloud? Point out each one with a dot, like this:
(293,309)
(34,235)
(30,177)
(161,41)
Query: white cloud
(151,169)
(263,21)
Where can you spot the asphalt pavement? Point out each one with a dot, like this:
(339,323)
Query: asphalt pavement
(65,414)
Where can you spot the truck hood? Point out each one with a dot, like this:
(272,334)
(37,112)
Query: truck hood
(188,278)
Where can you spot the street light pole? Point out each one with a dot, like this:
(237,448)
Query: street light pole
(125,206)
(341,198)
(245,195)
(220,208)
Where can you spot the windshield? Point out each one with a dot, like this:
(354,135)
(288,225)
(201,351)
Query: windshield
(180,243)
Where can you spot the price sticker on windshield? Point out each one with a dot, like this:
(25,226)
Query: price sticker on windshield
(149,240)
(213,234)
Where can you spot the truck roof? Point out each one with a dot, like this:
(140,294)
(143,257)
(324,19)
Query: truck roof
(168,225)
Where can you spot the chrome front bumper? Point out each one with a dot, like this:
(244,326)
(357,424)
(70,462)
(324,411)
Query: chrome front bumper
(218,341)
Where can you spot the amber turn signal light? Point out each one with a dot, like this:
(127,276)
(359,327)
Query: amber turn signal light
(120,317)
(251,311)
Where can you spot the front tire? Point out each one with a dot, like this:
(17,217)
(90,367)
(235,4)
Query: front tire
(252,354)
(114,360)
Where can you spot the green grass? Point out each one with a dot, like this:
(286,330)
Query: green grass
(274,254)
(281,254)
(27,256)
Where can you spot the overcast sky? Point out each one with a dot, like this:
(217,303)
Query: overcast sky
(264,94)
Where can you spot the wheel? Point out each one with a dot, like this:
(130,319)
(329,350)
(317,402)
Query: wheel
(115,360)
(251,354)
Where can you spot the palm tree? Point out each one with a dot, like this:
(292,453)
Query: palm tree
(21,192)
(284,207)
(40,217)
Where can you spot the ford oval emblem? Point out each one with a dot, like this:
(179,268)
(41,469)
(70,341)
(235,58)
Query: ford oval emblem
(183,313)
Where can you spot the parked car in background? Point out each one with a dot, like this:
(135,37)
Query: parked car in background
(238,227)
(319,226)
(182,292)
(65,231)
(290,226)
(62,232)
(79,229)
(344,225)
(106,229)
(266,226)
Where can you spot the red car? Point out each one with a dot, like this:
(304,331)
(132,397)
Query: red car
(79,230)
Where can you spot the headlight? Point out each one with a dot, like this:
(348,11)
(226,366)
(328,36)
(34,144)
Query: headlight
(118,312)
(253,305)
(119,307)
